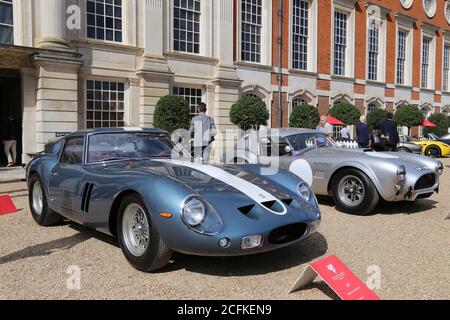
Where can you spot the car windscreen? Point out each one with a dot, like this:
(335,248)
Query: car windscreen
(116,146)
(309,140)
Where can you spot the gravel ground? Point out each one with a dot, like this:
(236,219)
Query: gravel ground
(410,243)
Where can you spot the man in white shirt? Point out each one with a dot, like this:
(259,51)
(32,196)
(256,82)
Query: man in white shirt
(345,133)
(328,128)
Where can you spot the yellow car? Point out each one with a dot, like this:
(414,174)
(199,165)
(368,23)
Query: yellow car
(435,149)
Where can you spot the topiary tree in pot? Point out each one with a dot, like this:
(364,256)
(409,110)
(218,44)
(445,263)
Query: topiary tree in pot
(375,118)
(249,112)
(172,113)
(346,112)
(442,124)
(304,116)
(408,116)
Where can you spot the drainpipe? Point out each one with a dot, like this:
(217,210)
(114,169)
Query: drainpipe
(280,68)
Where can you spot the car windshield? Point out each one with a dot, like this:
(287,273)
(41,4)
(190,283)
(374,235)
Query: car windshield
(432,136)
(446,137)
(310,140)
(117,146)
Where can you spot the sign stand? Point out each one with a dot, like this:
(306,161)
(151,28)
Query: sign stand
(6,206)
(338,277)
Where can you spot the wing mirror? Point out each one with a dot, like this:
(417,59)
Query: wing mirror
(288,149)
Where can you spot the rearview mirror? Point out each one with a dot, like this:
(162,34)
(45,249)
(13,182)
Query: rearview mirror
(288,149)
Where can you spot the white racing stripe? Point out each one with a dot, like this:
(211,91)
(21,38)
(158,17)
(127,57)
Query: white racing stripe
(249,189)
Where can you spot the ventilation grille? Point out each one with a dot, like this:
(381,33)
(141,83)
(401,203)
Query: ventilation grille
(85,201)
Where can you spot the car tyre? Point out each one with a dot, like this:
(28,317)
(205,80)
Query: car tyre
(37,199)
(354,192)
(139,238)
(433,151)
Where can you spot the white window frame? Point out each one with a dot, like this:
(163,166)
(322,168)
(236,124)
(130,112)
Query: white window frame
(266,34)
(446,70)
(405,25)
(206,29)
(429,33)
(312,36)
(189,86)
(14,23)
(126,91)
(382,34)
(348,8)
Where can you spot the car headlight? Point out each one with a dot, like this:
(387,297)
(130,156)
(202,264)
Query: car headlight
(193,212)
(401,173)
(440,168)
(305,191)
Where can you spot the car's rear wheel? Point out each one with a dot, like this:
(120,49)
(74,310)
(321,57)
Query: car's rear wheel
(138,237)
(354,192)
(37,199)
(433,151)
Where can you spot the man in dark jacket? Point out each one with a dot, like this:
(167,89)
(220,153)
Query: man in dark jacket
(202,130)
(362,133)
(10,141)
(390,132)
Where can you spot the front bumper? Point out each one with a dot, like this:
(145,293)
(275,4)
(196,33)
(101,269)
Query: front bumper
(209,245)
(414,190)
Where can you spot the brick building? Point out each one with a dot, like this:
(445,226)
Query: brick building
(74,64)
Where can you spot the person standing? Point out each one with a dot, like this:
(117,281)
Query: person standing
(390,132)
(10,141)
(327,126)
(202,130)
(345,133)
(363,133)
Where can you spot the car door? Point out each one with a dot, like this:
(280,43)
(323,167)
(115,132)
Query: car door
(66,176)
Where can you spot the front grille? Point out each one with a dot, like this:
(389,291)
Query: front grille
(288,233)
(425,182)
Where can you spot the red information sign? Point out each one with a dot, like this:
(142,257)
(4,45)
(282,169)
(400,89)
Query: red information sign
(338,277)
(6,205)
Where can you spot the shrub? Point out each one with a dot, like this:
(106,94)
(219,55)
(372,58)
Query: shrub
(304,116)
(375,118)
(172,113)
(249,112)
(442,123)
(408,116)
(346,112)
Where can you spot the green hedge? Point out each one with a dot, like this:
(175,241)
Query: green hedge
(172,113)
(249,112)
(375,118)
(442,123)
(304,116)
(408,116)
(346,112)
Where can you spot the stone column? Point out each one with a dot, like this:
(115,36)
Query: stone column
(56,95)
(226,80)
(154,72)
(53,25)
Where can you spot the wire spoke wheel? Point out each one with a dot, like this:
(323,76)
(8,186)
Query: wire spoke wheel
(37,198)
(136,230)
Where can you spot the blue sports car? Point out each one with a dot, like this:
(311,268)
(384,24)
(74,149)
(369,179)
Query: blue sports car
(137,185)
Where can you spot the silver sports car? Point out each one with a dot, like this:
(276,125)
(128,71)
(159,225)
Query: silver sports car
(130,183)
(355,178)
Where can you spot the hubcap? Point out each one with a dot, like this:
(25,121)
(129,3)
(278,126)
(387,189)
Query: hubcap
(135,229)
(351,191)
(434,152)
(37,198)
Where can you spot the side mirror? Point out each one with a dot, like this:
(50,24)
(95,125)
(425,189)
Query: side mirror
(288,149)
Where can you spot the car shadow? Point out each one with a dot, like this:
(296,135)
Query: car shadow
(405,207)
(46,249)
(305,251)
(384,207)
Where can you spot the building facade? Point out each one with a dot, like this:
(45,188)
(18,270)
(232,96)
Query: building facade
(73,64)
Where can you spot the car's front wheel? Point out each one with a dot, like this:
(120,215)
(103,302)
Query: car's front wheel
(433,151)
(354,192)
(138,237)
(37,199)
